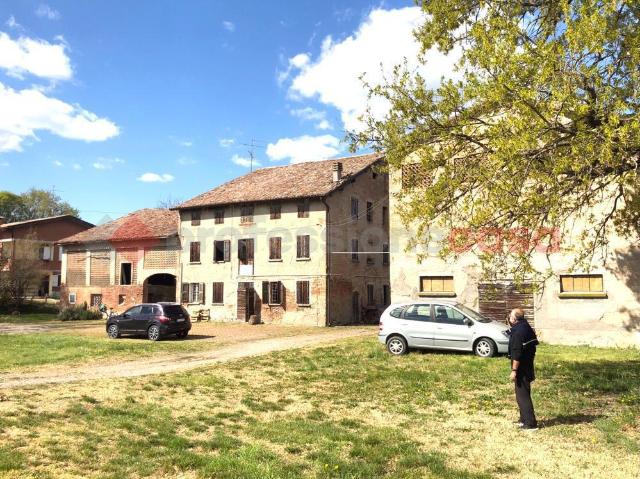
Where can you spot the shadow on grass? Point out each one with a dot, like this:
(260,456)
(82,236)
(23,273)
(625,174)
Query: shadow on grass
(570,419)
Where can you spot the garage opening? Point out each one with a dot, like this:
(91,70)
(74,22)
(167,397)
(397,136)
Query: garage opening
(160,287)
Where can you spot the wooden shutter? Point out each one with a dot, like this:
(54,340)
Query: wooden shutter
(227,251)
(185,292)
(201,294)
(265,292)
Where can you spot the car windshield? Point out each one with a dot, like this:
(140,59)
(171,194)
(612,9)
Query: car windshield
(472,314)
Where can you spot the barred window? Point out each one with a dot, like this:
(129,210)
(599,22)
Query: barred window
(246,214)
(219,216)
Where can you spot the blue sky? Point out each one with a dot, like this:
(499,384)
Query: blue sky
(120,104)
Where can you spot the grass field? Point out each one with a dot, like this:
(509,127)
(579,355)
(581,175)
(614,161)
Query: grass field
(29,318)
(348,411)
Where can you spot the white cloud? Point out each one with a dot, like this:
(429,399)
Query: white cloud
(12,23)
(383,40)
(45,11)
(309,113)
(58,163)
(107,163)
(298,61)
(304,148)
(229,26)
(244,162)
(26,111)
(156,178)
(37,57)
(226,142)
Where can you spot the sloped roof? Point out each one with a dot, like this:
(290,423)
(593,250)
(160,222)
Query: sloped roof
(301,180)
(43,220)
(150,223)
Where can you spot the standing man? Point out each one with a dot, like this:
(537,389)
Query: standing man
(522,351)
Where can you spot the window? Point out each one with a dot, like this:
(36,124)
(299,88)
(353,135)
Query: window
(385,254)
(436,285)
(415,175)
(369,211)
(193,293)
(218,216)
(72,298)
(245,251)
(418,312)
(581,284)
(302,293)
(386,295)
(125,273)
(121,299)
(217,296)
(354,251)
(275,249)
(371,300)
(354,208)
(385,216)
(274,212)
(246,214)
(370,260)
(222,251)
(194,252)
(195,218)
(96,300)
(303,210)
(272,292)
(448,315)
(302,247)
(147,309)
(44,253)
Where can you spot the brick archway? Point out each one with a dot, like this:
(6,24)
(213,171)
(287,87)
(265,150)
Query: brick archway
(159,287)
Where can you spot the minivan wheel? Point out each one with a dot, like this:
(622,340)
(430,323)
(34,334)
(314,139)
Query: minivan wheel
(153,333)
(397,346)
(485,348)
(113,331)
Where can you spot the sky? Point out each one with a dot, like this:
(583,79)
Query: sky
(119,105)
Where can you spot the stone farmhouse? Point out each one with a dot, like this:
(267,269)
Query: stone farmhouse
(31,245)
(600,306)
(301,244)
(131,260)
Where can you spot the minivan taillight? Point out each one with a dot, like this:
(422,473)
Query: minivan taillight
(164,319)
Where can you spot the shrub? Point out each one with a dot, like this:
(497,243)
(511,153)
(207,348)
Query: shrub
(75,313)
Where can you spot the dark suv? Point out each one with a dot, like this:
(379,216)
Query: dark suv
(154,320)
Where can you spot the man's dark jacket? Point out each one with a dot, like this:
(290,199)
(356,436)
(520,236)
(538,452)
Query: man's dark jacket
(522,347)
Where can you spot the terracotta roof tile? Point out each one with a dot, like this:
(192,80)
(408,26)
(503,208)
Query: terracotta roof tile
(139,225)
(301,180)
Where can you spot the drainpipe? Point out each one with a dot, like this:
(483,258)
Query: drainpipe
(327,261)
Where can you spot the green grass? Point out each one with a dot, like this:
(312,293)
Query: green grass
(28,318)
(345,411)
(28,350)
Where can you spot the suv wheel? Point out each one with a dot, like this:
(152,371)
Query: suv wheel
(153,333)
(113,331)
(397,346)
(485,348)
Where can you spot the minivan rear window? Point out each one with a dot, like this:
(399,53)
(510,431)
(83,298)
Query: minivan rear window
(396,312)
(174,311)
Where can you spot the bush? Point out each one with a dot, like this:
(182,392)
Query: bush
(75,313)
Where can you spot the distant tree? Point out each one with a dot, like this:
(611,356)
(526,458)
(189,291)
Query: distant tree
(41,204)
(540,127)
(10,206)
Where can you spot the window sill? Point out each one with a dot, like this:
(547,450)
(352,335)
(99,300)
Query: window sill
(275,260)
(195,262)
(304,305)
(274,304)
(216,262)
(584,295)
(303,259)
(248,223)
(435,294)
(217,304)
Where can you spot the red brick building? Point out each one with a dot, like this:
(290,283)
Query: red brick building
(131,260)
(36,241)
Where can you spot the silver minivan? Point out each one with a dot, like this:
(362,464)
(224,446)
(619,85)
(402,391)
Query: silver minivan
(439,324)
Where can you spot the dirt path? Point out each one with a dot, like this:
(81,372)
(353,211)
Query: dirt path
(176,362)
(44,327)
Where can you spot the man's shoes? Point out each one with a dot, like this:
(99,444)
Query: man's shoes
(526,427)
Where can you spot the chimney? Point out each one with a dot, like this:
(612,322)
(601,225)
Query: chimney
(337,171)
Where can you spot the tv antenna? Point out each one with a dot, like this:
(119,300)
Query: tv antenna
(252,146)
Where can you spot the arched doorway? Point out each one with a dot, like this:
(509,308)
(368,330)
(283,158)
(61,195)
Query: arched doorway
(159,287)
